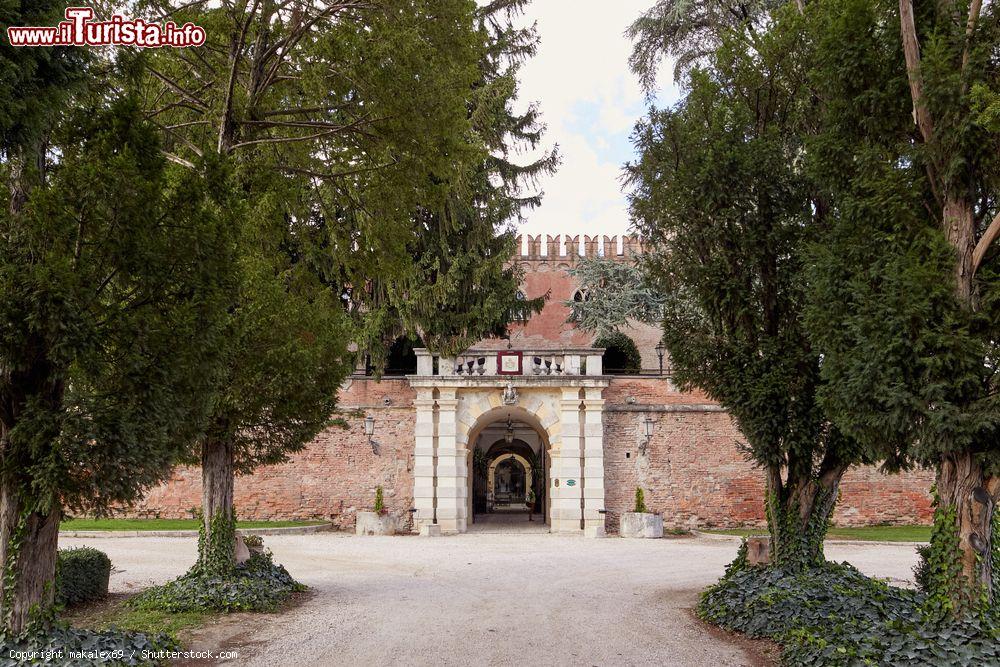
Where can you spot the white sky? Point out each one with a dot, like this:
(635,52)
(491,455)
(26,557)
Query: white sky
(590,101)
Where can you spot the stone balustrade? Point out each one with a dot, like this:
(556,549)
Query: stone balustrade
(534,363)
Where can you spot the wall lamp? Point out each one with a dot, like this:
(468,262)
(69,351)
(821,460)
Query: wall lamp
(370,431)
(649,423)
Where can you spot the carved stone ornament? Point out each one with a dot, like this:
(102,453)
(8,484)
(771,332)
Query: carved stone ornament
(509,395)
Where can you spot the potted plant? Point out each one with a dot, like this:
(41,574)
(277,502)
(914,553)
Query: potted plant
(641,522)
(529,500)
(378,521)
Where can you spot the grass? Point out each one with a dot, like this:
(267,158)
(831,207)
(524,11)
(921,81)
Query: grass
(168,524)
(866,534)
(114,613)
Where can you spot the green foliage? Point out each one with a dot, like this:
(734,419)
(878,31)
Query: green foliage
(620,352)
(58,641)
(91,313)
(640,501)
(379,501)
(216,545)
(834,615)
(721,196)
(82,575)
(257,585)
(617,293)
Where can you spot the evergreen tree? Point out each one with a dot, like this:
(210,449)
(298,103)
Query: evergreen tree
(337,122)
(463,286)
(617,292)
(110,276)
(721,197)
(906,280)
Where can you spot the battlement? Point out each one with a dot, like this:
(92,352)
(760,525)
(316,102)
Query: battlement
(568,248)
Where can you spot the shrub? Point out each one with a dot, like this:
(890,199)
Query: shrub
(620,353)
(257,585)
(379,501)
(834,615)
(640,501)
(82,575)
(921,571)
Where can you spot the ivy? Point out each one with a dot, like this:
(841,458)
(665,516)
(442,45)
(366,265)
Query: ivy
(257,585)
(950,593)
(832,614)
(86,647)
(795,546)
(216,548)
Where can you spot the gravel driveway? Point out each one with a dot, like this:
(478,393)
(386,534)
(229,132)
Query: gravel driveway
(497,599)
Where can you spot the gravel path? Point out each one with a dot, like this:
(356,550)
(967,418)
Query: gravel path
(498,599)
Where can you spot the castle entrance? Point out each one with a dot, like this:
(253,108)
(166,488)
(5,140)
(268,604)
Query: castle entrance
(508,473)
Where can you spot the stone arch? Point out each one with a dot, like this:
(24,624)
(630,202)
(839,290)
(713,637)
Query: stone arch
(539,410)
(517,457)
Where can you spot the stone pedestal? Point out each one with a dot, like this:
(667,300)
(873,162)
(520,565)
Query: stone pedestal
(641,524)
(430,530)
(373,523)
(758,550)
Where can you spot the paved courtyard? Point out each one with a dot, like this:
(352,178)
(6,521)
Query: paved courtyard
(487,598)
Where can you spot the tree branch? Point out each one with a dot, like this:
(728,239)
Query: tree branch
(177,160)
(985,242)
(911,51)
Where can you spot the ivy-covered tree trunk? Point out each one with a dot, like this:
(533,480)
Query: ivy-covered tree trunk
(28,546)
(798,514)
(966,500)
(217,547)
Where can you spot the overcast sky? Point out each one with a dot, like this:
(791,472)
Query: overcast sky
(590,102)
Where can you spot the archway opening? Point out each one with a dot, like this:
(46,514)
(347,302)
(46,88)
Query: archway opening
(508,469)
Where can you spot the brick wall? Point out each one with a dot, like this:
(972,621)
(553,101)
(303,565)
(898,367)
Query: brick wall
(332,478)
(694,473)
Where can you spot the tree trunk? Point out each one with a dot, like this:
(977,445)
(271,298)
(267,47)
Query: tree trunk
(961,484)
(960,229)
(798,515)
(28,552)
(217,549)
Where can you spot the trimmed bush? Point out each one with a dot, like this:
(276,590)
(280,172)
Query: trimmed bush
(620,353)
(257,585)
(82,575)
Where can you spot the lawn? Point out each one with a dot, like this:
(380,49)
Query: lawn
(869,533)
(168,524)
(112,612)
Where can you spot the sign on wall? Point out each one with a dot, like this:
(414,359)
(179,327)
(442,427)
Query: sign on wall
(508,363)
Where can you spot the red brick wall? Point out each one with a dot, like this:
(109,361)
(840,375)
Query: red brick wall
(693,471)
(695,475)
(332,478)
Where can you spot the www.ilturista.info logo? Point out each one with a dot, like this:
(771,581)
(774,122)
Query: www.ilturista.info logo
(79,29)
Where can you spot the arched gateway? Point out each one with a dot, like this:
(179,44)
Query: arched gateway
(555,409)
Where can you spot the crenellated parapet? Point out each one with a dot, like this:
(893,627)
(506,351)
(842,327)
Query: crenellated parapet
(566,248)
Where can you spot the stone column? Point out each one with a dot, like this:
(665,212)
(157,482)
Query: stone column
(565,510)
(452,467)
(593,483)
(424,456)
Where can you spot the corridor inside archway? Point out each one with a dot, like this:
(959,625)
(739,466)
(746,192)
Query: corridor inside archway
(508,475)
